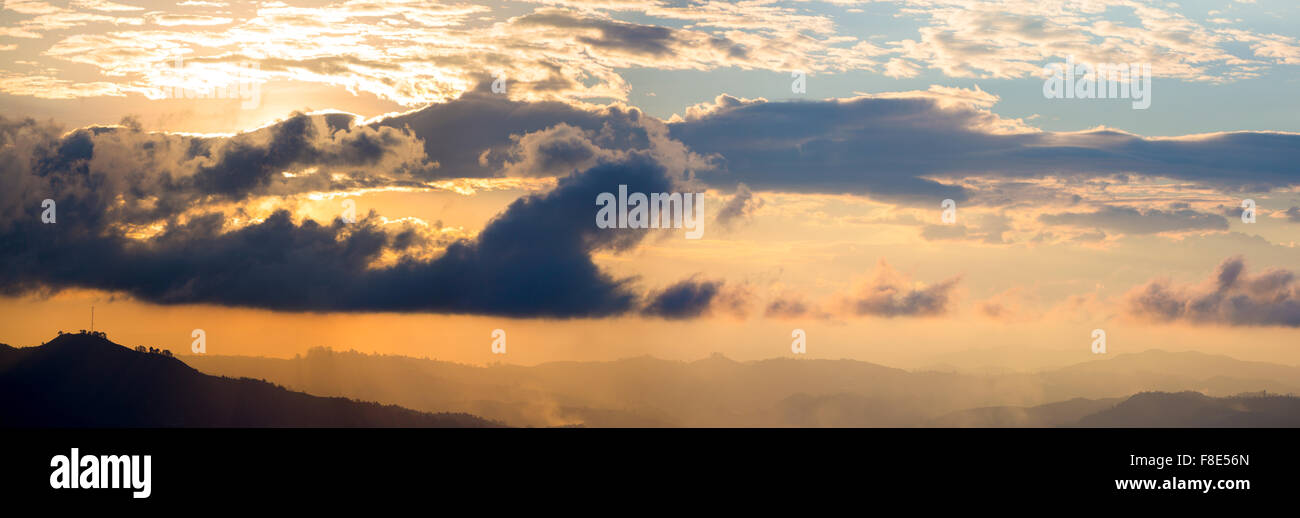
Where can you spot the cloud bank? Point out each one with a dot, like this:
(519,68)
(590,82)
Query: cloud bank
(1230,297)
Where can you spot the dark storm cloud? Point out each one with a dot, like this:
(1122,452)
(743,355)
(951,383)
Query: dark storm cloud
(534,259)
(1230,297)
(876,147)
(247,166)
(474,135)
(555,151)
(686,299)
(1133,221)
(136,177)
(908,150)
(248,163)
(886,148)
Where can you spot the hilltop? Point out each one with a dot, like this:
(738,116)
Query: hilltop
(85,380)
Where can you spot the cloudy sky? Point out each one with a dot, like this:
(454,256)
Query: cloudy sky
(406,177)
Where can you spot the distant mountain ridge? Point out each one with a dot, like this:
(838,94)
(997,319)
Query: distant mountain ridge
(83,380)
(717,391)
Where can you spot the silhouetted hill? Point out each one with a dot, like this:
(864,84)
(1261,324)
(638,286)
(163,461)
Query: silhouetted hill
(79,380)
(1191,409)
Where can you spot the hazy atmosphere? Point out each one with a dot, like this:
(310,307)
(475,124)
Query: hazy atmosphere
(873,213)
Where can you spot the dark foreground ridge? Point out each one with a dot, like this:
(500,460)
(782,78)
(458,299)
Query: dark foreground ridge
(1196,410)
(85,380)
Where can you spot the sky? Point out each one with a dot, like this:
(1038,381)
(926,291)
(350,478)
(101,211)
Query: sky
(892,178)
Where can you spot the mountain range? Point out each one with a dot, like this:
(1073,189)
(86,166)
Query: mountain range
(85,380)
(717,391)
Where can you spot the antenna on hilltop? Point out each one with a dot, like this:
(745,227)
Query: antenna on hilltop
(92,318)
